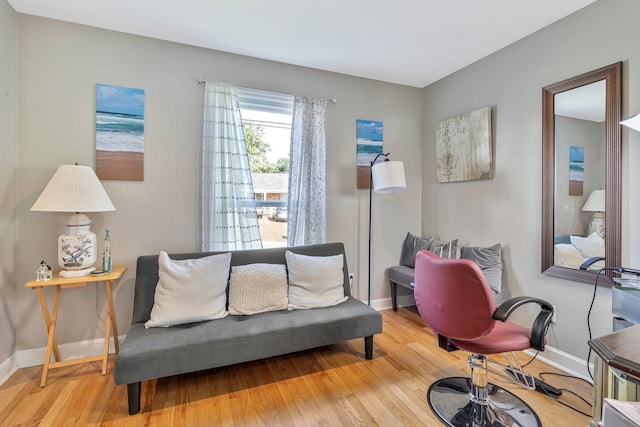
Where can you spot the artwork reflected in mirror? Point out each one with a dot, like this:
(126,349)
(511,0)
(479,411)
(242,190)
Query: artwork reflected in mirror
(581,174)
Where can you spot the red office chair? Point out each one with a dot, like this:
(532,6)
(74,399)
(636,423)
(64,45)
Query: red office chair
(455,300)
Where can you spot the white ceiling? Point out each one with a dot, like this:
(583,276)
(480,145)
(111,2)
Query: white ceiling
(410,42)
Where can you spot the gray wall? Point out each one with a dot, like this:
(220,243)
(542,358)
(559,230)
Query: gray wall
(507,208)
(59,66)
(590,136)
(8,175)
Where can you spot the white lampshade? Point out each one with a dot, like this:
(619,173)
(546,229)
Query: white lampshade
(633,122)
(77,189)
(74,188)
(388,177)
(595,202)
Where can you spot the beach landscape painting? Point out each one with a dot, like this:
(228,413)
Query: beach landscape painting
(119,133)
(576,171)
(368,146)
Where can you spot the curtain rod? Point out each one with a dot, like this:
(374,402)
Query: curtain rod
(332,100)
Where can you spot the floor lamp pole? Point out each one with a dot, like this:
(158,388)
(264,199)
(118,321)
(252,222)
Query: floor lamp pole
(389,179)
(370,209)
(370,202)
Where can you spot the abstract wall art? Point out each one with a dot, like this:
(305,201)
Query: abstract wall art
(463,147)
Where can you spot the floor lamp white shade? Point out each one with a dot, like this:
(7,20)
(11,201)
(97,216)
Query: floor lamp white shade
(632,122)
(388,177)
(76,189)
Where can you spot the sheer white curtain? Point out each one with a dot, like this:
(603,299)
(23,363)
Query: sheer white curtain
(229,219)
(307,210)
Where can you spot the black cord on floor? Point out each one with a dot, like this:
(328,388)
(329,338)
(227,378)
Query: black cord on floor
(542,374)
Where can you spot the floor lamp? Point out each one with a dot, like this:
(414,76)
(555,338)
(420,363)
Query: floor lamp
(384,177)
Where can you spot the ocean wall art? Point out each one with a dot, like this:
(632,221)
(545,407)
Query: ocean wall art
(119,133)
(368,146)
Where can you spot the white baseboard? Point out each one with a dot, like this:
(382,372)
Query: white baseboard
(35,356)
(385,303)
(8,368)
(564,361)
(73,350)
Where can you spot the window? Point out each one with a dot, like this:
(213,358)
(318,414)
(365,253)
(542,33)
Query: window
(266,118)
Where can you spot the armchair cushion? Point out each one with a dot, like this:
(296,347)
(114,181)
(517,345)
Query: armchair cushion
(504,337)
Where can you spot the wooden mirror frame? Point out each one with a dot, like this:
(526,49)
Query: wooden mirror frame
(612,74)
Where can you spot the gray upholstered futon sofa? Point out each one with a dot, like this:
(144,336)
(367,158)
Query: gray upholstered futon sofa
(156,352)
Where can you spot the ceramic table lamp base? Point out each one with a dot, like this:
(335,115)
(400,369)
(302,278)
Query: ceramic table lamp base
(77,248)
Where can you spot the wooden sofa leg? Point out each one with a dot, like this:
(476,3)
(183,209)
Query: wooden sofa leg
(368,347)
(133,396)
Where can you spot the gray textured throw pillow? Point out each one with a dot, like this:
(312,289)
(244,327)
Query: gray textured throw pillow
(489,259)
(445,249)
(411,246)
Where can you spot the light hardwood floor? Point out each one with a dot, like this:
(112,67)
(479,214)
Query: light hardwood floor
(329,386)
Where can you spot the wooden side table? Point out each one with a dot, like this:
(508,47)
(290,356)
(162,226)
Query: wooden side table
(111,328)
(618,350)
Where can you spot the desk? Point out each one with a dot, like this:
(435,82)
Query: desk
(60,283)
(618,350)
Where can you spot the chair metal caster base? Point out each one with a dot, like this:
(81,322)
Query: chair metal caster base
(450,399)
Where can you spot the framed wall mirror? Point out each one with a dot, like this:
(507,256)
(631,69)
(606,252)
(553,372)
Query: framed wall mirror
(581,187)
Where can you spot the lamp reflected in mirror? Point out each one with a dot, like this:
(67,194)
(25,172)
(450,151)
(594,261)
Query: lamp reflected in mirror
(596,205)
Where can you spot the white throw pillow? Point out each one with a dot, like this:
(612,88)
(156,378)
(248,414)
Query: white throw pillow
(190,290)
(566,255)
(256,288)
(315,281)
(589,246)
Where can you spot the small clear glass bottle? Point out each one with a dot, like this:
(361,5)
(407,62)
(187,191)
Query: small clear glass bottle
(106,256)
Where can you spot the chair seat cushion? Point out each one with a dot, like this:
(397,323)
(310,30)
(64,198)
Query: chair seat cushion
(504,337)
